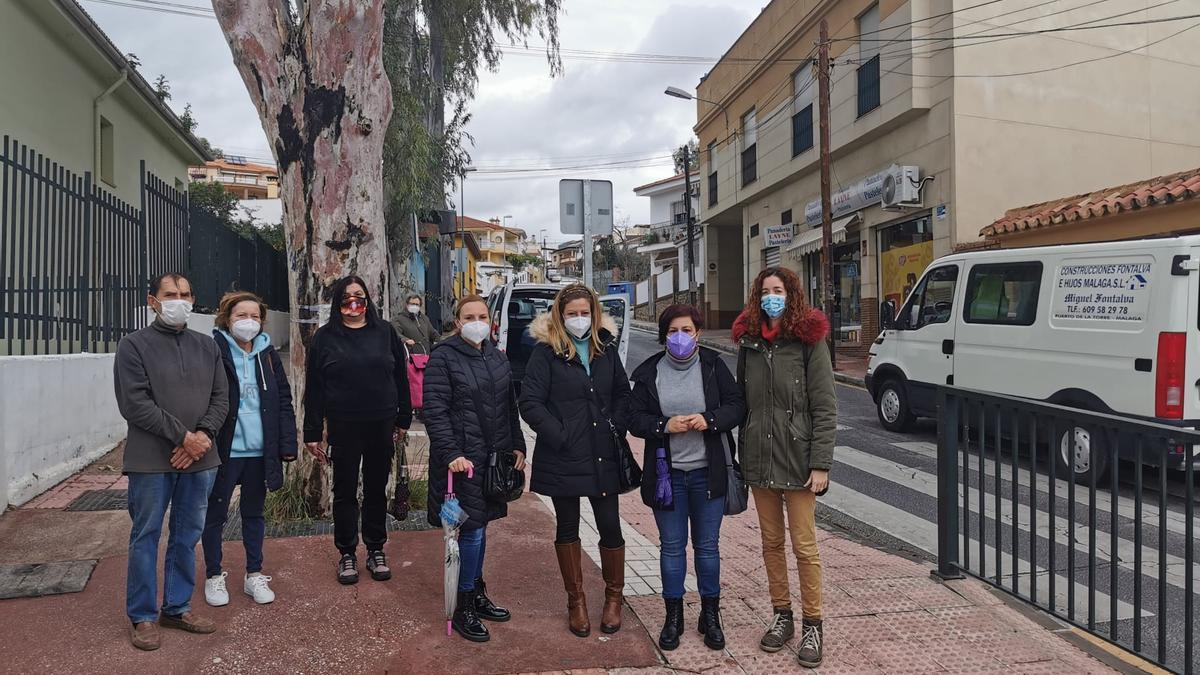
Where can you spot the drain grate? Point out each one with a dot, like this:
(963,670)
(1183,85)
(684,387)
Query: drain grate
(101,500)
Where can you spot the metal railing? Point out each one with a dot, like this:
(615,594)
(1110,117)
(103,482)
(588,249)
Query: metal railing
(1111,553)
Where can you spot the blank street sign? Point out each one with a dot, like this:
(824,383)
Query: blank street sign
(570,206)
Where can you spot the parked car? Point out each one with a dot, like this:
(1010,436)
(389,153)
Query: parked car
(513,307)
(1105,327)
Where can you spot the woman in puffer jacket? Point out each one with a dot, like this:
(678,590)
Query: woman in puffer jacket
(575,395)
(470,412)
(787,441)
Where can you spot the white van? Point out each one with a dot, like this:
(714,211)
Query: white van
(1109,327)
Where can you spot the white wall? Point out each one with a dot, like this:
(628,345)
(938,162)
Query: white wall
(57,415)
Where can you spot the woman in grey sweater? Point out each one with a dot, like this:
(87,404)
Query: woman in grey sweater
(686,405)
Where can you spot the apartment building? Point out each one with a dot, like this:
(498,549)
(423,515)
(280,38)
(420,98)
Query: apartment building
(244,179)
(936,130)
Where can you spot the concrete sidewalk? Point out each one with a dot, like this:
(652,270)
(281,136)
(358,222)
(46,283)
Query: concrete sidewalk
(884,613)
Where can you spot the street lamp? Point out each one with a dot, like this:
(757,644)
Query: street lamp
(680,93)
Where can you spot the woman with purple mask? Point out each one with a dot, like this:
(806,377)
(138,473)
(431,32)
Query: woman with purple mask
(686,405)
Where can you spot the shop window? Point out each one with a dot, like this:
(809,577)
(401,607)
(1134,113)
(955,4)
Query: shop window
(933,299)
(1003,294)
(905,250)
(847,292)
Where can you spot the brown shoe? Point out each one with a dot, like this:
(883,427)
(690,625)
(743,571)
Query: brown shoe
(612,564)
(189,622)
(570,565)
(144,636)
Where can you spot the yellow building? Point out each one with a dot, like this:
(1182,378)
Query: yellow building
(496,242)
(243,179)
(466,279)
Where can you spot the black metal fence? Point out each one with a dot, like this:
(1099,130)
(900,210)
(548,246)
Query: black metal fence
(1111,553)
(222,260)
(75,260)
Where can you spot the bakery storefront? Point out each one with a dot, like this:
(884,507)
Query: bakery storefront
(905,250)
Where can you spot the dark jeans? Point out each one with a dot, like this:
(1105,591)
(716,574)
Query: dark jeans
(692,505)
(471,546)
(364,446)
(149,496)
(608,520)
(250,474)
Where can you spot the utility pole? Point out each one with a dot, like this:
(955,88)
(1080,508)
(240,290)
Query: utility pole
(691,226)
(826,206)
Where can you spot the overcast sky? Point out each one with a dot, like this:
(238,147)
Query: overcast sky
(596,112)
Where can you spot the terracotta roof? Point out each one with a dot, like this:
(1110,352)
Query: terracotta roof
(1107,202)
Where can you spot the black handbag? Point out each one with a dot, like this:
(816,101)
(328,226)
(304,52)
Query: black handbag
(501,480)
(737,494)
(629,474)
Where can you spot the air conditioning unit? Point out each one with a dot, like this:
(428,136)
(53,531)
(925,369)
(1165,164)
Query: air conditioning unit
(901,188)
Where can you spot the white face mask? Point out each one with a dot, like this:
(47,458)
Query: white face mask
(246,329)
(579,326)
(475,332)
(175,313)
(414,309)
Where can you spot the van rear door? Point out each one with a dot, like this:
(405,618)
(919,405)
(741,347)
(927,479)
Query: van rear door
(617,306)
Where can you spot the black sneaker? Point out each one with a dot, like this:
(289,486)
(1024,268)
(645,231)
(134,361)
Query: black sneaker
(811,636)
(782,628)
(347,574)
(466,621)
(377,565)
(485,608)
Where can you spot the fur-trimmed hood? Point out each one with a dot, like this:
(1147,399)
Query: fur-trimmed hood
(814,327)
(539,328)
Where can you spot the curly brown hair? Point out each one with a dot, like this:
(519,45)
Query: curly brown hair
(233,299)
(794,312)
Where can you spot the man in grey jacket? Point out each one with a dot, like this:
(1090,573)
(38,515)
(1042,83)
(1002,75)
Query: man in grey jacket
(172,389)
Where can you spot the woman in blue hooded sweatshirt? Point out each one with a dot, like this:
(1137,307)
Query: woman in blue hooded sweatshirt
(258,436)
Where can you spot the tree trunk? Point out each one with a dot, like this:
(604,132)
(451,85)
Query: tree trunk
(324,100)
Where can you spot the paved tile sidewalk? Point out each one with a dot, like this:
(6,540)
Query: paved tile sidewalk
(61,495)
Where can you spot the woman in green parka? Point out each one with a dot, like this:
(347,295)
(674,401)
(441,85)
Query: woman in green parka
(786,374)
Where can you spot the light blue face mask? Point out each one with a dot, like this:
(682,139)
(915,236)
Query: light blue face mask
(774,305)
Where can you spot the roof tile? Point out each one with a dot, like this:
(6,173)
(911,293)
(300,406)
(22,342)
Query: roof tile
(1108,201)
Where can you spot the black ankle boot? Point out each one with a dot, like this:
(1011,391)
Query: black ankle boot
(466,621)
(485,608)
(710,623)
(668,639)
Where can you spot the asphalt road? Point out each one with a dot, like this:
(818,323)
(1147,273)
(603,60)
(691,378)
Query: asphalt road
(884,488)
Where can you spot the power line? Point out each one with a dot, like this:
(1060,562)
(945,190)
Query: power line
(1042,31)
(168,9)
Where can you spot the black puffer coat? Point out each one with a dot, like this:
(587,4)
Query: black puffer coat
(466,392)
(575,455)
(725,409)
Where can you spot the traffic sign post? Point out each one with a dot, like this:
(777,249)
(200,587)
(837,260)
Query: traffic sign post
(586,208)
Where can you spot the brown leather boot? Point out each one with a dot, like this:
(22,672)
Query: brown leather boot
(569,564)
(612,563)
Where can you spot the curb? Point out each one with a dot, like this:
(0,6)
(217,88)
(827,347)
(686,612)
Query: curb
(727,348)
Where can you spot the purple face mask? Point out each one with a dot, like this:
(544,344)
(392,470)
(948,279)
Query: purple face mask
(681,345)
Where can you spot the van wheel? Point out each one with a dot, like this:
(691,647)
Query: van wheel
(1082,452)
(892,406)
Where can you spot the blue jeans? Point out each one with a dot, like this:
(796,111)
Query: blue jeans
(471,546)
(250,473)
(692,505)
(149,496)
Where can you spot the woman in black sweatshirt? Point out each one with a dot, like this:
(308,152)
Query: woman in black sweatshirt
(357,391)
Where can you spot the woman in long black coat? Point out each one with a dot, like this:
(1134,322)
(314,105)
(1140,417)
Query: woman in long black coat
(574,388)
(470,411)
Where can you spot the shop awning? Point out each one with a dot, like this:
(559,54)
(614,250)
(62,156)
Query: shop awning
(810,242)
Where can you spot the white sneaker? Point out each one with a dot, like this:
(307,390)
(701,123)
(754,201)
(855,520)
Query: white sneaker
(214,591)
(257,588)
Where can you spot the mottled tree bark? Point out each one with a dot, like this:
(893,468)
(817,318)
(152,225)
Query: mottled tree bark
(318,82)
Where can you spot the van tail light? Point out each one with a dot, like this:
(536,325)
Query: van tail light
(495,332)
(1169,374)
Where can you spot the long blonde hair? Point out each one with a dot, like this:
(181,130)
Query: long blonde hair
(559,339)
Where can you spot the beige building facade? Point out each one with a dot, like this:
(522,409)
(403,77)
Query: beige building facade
(965,127)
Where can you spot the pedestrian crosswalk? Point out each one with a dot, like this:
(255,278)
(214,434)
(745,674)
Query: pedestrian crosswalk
(908,468)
